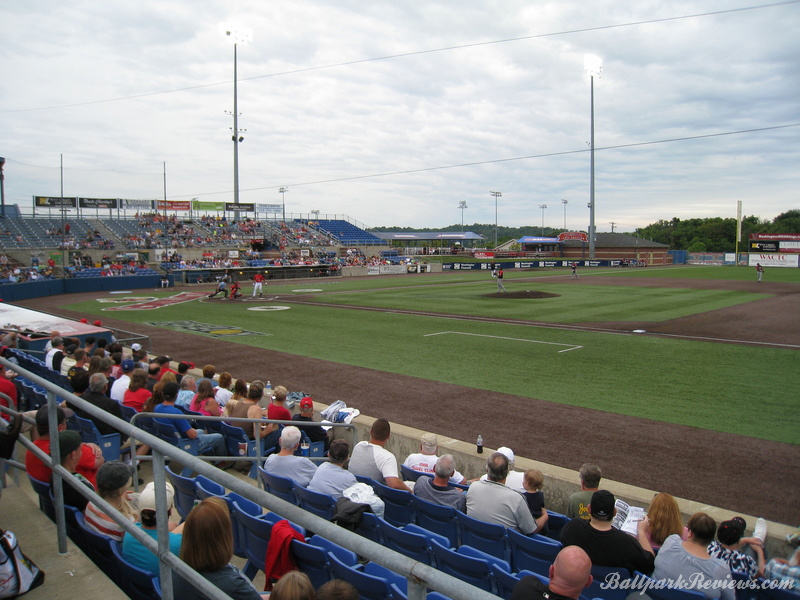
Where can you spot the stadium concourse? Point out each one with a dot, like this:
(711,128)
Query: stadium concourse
(741,474)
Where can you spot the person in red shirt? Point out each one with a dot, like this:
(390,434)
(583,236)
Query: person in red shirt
(91,455)
(8,388)
(137,393)
(258,282)
(277,408)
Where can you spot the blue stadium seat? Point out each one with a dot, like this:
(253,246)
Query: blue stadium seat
(488,537)
(437,518)
(535,553)
(185,493)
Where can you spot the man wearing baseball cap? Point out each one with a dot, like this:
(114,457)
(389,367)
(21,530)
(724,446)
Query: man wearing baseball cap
(132,549)
(315,433)
(121,384)
(424,461)
(606,545)
(727,546)
(70,446)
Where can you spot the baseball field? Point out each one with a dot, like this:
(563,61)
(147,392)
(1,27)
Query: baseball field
(679,379)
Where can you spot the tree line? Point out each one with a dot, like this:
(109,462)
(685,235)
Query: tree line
(714,234)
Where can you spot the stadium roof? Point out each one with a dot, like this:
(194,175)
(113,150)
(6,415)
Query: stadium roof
(427,235)
(618,240)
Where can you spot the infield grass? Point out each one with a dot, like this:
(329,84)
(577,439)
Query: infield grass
(724,387)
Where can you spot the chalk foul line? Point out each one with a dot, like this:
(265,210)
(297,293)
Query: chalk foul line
(569,347)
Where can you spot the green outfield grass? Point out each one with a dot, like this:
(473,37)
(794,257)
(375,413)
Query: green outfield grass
(731,388)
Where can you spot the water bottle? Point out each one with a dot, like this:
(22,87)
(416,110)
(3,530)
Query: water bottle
(268,391)
(480,444)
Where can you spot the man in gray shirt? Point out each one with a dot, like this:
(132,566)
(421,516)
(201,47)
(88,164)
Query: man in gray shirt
(331,477)
(285,464)
(493,502)
(436,489)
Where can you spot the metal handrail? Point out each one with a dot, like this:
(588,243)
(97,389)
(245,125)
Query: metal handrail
(419,576)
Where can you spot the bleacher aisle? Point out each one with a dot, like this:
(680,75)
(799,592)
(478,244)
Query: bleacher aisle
(68,576)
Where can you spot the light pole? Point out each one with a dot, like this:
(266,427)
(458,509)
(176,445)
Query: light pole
(496,196)
(543,207)
(564,201)
(236,37)
(462,205)
(594,66)
(282,190)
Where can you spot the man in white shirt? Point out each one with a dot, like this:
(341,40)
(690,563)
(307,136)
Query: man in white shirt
(124,380)
(514,479)
(371,459)
(424,461)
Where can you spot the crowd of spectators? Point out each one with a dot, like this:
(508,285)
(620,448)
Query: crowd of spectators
(660,544)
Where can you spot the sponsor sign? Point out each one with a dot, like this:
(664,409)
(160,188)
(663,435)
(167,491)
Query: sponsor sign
(201,205)
(50,201)
(373,270)
(173,205)
(392,269)
(97,202)
(484,255)
(215,331)
(573,235)
(269,208)
(773,260)
(242,207)
(763,246)
(524,265)
(776,236)
(148,204)
(789,246)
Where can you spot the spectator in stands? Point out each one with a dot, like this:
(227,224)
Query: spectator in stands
(294,585)
(204,401)
(578,503)
(69,356)
(70,446)
(372,459)
(183,369)
(89,344)
(315,433)
(606,545)
(783,570)
(209,371)
(207,547)
(239,394)
(206,441)
(436,489)
(337,589)
(424,461)
(277,408)
(727,547)
(164,363)
(96,395)
(113,485)
(153,371)
(120,386)
(250,409)
(137,394)
(492,501)
(10,339)
(663,520)
(534,498)
(285,464)
(223,393)
(690,561)
(8,388)
(49,345)
(331,477)
(569,574)
(91,455)
(132,549)
(80,364)
(55,355)
(188,390)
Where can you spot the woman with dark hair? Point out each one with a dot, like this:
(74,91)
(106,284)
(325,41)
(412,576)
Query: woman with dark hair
(137,393)
(204,401)
(688,565)
(207,547)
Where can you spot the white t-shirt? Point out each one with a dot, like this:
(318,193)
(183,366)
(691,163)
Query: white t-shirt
(222,396)
(425,463)
(513,480)
(371,460)
(118,388)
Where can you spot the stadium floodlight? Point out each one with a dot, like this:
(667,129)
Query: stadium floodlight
(462,205)
(496,196)
(593,66)
(543,207)
(282,191)
(236,35)
(564,201)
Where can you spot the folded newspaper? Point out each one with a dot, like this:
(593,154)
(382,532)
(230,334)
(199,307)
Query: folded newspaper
(627,517)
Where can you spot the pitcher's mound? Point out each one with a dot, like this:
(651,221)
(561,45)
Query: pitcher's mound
(525,294)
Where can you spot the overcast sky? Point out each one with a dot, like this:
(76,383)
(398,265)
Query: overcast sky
(394,112)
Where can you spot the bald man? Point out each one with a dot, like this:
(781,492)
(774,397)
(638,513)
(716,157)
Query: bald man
(570,574)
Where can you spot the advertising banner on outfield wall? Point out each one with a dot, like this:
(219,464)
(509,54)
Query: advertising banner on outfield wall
(773,260)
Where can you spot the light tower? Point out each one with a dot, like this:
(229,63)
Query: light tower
(594,66)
